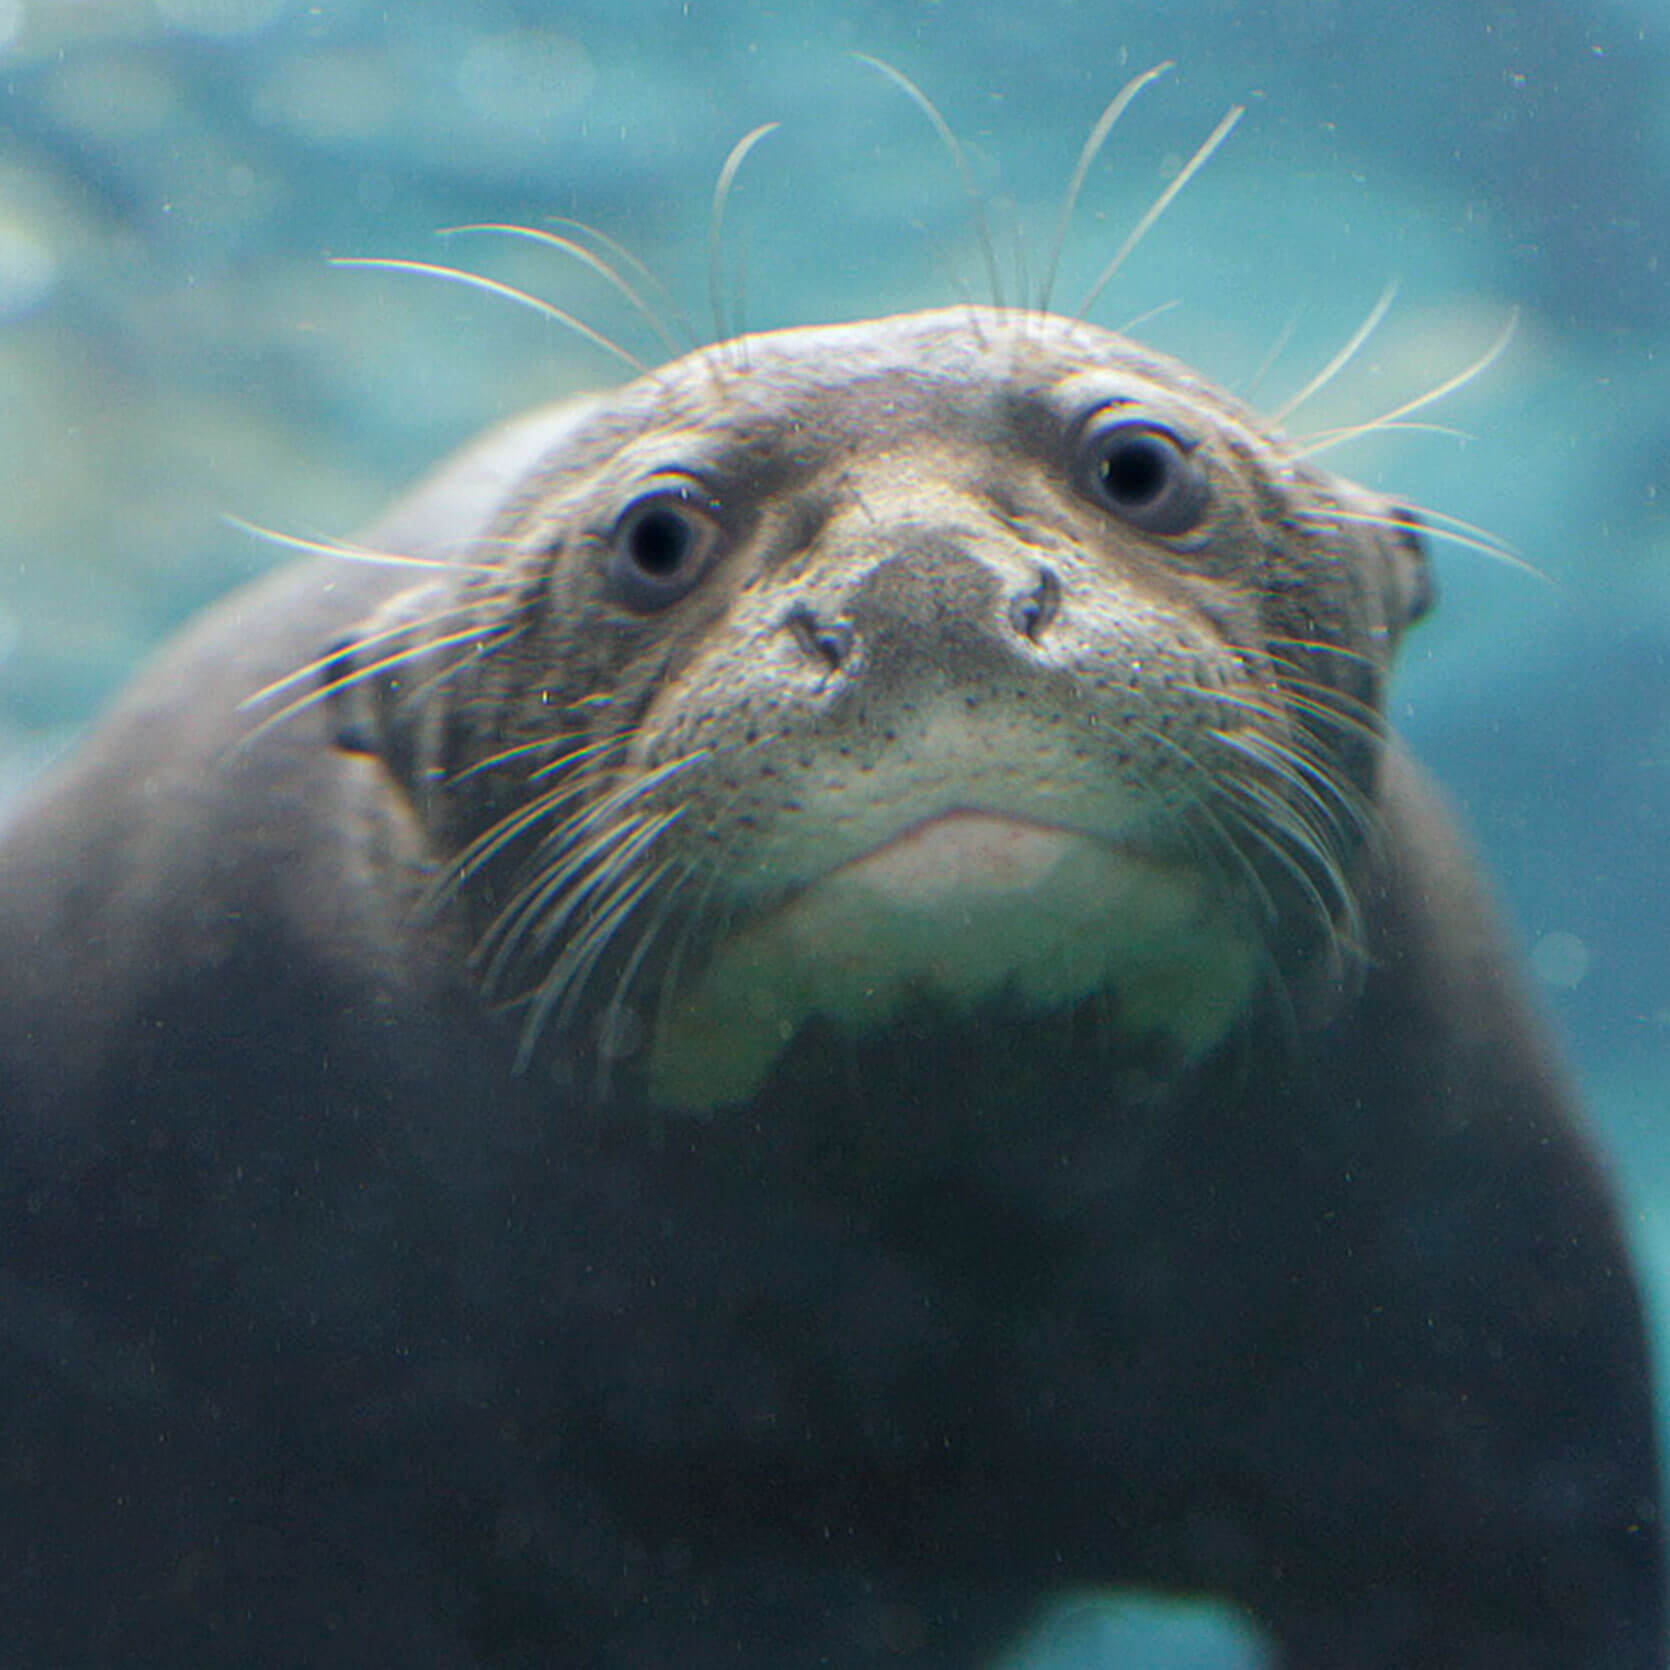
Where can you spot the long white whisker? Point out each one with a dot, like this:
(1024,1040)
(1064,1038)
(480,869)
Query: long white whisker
(1450,384)
(349,551)
(959,158)
(1319,438)
(360,675)
(1117,106)
(1277,348)
(1343,358)
(1159,206)
(493,287)
(589,259)
(716,223)
(310,672)
(621,256)
(1480,542)
(1130,327)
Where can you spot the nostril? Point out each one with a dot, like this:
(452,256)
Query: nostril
(829,642)
(1032,615)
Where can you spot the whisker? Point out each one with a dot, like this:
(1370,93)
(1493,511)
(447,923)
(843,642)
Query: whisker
(1274,831)
(552,895)
(596,699)
(348,551)
(716,223)
(412,652)
(1104,125)
(618,1004)
(493,287)
(602,743)
(571,844)
(1277,348)
(607,874)
(1202,805)
(1306,444)
(1341,359)
(1280,764)
(1306,837)
(571,972)
(616,895)
(1160,204)
(1018,263)
(1345,814)
(1479,541)
(1276,826)
(525,817)
(666,771)
(492,841)
(959,158)
(577,251)
(562,987)
(1319,646)
(1448,387)
(562,762)
(1364,723)
(621,256)
(309,673)
(576,981)
(1443,521)
(652,930)
(1131,326)
(694,924)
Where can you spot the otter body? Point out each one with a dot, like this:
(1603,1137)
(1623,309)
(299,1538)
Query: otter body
(844,1020)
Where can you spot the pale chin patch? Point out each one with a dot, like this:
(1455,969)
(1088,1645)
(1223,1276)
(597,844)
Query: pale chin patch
(958,909)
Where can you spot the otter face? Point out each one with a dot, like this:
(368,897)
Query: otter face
(959,658)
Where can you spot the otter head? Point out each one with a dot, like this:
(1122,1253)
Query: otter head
(959,659)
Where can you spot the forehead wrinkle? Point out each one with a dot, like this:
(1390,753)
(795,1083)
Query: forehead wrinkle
(847,381)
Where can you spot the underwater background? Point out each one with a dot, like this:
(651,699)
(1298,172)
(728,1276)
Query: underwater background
(176,347)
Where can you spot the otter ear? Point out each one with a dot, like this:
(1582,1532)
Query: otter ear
(374,679)
(1411,589)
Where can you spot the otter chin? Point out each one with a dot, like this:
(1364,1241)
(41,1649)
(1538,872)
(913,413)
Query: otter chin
(824,1011)
(961,910)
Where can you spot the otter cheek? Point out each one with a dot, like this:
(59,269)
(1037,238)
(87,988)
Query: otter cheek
(959,910)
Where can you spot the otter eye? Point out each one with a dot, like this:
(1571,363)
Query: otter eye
(661,547)
(1145,475)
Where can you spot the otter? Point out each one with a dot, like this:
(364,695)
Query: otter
(824,1009)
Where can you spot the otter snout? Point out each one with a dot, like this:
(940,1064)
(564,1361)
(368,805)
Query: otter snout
(931,603)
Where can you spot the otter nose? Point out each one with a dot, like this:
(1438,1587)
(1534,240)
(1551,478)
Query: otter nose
(928,586)
(929,601)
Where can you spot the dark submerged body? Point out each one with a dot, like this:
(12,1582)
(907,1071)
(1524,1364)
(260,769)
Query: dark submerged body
(327,1342)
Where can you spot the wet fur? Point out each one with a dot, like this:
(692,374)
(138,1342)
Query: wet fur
(331,1337)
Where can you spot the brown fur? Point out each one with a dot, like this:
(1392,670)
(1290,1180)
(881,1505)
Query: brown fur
(354,1313)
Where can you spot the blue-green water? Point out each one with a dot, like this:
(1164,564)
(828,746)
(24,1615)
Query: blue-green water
(174,344)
